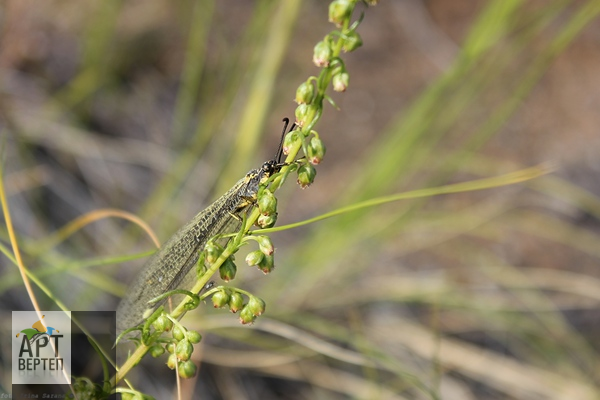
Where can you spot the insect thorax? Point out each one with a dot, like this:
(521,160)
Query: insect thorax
(250,189)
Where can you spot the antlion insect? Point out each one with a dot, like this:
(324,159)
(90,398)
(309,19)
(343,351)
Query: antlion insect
(172,266)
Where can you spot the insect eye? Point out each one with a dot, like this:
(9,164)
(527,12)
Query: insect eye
(267,166)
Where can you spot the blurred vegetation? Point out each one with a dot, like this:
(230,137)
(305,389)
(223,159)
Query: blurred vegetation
(157,107)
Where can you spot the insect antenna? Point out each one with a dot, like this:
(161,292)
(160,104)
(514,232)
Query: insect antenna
(283,132)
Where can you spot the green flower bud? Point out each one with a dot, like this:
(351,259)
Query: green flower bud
(246,316)
(267,203)
(254,258)
(256,305)
(266,221)
(220,299)
(172,361)
(212,251)
(292,140)
(184,350)
(267,264)
(265,245)
(187,369)
(352,42)
(227,270)
(306,175)
(194,337)
(171,347)
(341,81)
(157,350)
(305,93)
(322,54)
(305,113)
(340,11)
(178,333)
(162,324)
(236,302)
(301,114)
(315,150)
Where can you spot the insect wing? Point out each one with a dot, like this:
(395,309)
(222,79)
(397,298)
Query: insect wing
(172,266)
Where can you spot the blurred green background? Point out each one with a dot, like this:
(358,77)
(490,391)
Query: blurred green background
(157,107)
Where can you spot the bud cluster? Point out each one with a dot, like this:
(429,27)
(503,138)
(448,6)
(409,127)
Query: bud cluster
(253,309)
(311,93)
(232,298)
(180,347)
(267,205)
(263,257)
(212,252)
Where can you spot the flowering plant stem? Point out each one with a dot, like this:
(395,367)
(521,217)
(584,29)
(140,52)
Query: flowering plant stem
(306,125)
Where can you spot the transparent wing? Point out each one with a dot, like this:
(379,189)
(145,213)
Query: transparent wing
(172,266)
